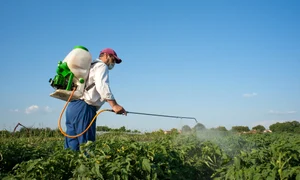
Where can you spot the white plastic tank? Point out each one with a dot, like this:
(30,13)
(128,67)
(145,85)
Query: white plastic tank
(79,62)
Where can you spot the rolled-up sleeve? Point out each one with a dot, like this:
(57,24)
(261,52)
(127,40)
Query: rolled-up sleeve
(102,82)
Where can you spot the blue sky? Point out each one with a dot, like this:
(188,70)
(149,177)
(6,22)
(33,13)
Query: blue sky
(225,63)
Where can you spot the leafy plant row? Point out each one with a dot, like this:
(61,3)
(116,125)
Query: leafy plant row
(200,155)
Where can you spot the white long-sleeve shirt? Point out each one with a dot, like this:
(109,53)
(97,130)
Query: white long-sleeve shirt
(100,91)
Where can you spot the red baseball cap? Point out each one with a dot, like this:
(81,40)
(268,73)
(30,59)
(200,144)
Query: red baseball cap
(112,52)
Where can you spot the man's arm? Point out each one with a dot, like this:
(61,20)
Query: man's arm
(112,103)
(102,86)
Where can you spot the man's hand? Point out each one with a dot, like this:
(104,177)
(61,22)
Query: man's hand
(119,109)
(116,107)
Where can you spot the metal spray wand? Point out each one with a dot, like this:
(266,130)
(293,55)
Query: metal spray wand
(161,115)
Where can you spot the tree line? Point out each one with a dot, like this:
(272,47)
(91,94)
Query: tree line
(121,129)
(288,126)
(48,132)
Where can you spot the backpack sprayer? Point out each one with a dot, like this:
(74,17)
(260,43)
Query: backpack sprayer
(70,81)
(72,73)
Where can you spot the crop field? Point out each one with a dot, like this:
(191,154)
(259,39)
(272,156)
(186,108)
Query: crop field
(207,154)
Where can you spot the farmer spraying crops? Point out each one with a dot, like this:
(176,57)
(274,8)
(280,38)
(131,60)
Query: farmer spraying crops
(84,85)
(80,112)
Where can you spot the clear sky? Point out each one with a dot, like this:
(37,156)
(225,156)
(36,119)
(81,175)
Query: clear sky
(225,63)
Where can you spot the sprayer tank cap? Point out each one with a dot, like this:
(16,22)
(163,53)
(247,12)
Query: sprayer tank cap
(81,47)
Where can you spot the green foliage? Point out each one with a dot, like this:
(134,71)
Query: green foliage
(240,129)
(289,126)
(174,131)
(32,132)
(121,129)
(199,127)
(220,128)
(259,128)
(5,134)
(157,133)
(275,156)
(205,154)
(186,129)
(14,151)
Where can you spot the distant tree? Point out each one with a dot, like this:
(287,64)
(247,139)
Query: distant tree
(186,129)
(136,131)
(240,129)
(122,129)
(174,131)
(259,128)
(4,133)
(103,128)
(199,127)
(221,128)
(288,126)
(159,132)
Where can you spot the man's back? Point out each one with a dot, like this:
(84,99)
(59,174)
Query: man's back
(97,86)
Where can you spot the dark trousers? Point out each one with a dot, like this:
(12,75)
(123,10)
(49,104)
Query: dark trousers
(78,117)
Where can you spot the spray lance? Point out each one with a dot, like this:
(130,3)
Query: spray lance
(160,115)
(69,84)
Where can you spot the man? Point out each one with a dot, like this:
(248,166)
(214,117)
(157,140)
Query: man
(80,112)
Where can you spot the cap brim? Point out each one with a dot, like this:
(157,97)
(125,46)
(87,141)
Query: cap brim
(118,60)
